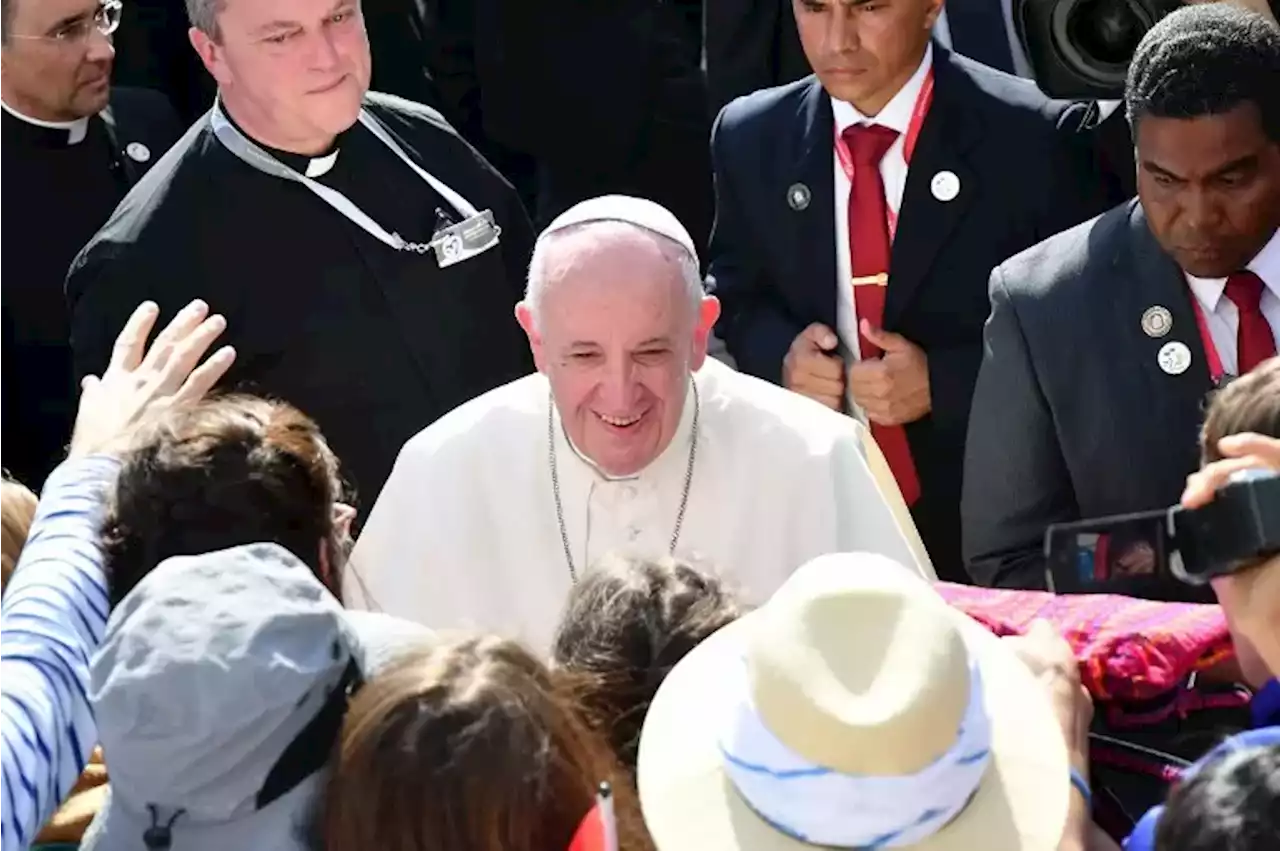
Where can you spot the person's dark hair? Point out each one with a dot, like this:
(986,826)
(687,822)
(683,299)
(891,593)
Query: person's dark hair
(1230,804)
(225,472)
(626,625)
(469,746)
(6,19)
(1207,59)
(1250,403)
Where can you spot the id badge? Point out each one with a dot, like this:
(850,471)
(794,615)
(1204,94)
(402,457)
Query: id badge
(465,240)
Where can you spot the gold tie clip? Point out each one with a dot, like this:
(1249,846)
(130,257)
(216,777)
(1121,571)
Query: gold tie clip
(878,280)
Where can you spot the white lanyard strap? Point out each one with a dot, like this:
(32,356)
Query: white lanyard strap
(244,148)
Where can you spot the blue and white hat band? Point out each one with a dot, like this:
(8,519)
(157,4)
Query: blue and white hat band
(822,806)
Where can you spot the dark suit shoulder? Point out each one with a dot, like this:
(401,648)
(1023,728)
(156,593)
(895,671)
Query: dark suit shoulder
(396,110)
(1065,269)
(159,211)
(1005,96)
(760,108)
(142,102)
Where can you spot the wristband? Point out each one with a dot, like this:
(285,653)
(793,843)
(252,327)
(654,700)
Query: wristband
(1082,786)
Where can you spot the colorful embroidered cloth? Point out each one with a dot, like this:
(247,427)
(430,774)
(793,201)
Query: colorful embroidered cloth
(1128,649)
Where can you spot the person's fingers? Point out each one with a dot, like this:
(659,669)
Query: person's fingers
(188,353)
(822,366)
(181,327)
(203,378)
(132,340)
(1247,443)
(1203,484)
(812,384)
(820,336)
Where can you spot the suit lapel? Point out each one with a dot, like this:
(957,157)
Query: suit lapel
(925,224)
(812,226)
(1156,281)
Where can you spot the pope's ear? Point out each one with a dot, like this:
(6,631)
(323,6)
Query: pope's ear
(524,315)
(708,314)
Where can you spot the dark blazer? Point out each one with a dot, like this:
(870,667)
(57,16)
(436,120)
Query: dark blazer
(750,45)
(1023,178)
(1072,415)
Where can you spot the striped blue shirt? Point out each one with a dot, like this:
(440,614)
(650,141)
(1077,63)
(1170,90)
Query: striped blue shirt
(53,615)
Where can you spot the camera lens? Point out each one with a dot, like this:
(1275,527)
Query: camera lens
(1097,38)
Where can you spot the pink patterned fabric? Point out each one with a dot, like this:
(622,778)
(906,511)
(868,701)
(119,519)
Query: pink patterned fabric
(1128,649)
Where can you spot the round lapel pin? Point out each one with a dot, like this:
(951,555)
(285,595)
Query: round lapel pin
(137,152)
(798,196)
(1174,358)
(945,186)
(1156,321)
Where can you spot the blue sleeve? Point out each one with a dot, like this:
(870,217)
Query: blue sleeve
(53,615)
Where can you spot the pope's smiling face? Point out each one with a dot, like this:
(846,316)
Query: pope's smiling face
(617,333)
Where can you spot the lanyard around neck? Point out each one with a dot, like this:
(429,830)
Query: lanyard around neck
(918,112)
(253,155)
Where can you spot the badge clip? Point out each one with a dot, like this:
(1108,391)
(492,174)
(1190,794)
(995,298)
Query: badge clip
(465,240)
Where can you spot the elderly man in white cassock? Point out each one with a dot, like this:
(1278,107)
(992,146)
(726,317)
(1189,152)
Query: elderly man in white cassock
(627,439)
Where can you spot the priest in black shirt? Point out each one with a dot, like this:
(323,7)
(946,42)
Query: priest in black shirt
(71,146)
(367,259)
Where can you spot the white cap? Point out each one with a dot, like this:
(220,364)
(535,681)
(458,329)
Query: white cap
(640,212)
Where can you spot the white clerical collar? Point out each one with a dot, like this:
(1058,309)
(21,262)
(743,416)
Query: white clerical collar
(896,114)
(76,130)
(321,165)
(679,445)
(1265,264)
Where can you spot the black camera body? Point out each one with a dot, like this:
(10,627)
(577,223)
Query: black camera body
(1080,49)
(1151,553)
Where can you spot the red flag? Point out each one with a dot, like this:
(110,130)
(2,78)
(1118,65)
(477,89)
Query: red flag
(598,830)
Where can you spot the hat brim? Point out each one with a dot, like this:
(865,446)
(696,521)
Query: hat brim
(689,802)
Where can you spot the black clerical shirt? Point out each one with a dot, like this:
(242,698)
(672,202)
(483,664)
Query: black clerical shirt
(60,185)
(371,342)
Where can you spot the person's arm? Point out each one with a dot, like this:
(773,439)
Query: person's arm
(55,608)
(1015,479)
(101,292)
(54,612)
(755,331)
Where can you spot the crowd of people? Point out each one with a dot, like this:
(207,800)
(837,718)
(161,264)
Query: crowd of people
(485,489)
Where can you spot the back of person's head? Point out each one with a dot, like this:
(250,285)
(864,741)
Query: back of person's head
(17,510)
(1250,403)
(1230,804)
(627,623)
(228,471)
(1207,59)
(470,746)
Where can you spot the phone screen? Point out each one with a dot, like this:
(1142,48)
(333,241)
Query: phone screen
(1118,555)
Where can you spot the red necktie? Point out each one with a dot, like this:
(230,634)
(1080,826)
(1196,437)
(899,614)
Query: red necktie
(1255,341)
(868,257)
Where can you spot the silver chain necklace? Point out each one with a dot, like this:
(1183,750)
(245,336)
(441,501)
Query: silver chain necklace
(555,480)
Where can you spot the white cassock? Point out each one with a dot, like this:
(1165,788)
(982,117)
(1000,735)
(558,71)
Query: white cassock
(465,534)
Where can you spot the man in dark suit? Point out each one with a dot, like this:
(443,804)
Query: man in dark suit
(800,249)
(1104,341)
(71,147)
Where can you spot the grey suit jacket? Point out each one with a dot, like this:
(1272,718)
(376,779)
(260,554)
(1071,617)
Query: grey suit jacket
(1072,415)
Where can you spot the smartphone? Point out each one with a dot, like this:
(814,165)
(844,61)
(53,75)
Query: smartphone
(1123,554)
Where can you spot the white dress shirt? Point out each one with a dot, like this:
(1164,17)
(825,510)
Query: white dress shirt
(896,115)
(1220,312)
(465,533)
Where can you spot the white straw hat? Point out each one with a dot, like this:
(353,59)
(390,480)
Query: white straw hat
(855,709)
